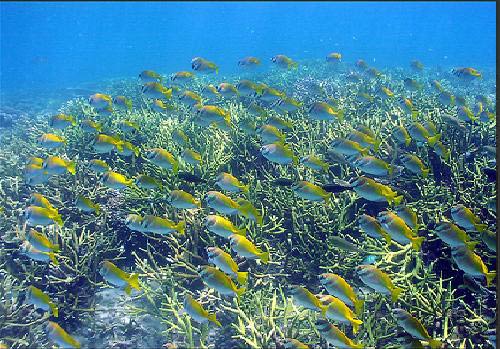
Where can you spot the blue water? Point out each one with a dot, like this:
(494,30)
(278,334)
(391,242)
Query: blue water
(49,45)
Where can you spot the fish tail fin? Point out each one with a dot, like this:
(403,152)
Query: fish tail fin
(407,141)
(211,318)
(397,200)
(357,346)
(387,238)
(471,245)
(432,140)
(71,167)
(53,258)
(447,154)
(264,257)
(414,114)
(364,151)
(341,115)
(358,306)
(242,232)
(242,277)
(240,291)
(295,160)
(119,146)
(325,167)
(435,344)
(355,325)
(490,277)
(97,209)
(246,188)
(328,198)
(181,227)
(395,292)
(133,281)
(416,243)
(175,168)
(425,172)
(376,144)
(55,247)
(481,227)
(390,170)
(54,309)
(58,219)
(168,93)
(128,103)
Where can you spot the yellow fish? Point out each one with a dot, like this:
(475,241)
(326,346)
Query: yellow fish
(156,90)
(55,165)
(398,230)
(159,225)
(117,277)
(100,101)
(163,159)
(61,121)
(227,181)
(28,250)
(86,205)
(51,141)
(284,62)
(371,190)
(304,298)
(245,248)
(197,312)
(249,62)
(105,144)
(222,226)
(336,310)
(225,263)
(59,336)
(150,76)
(36,215)
(338,287)
(334,336)
(115,180)
(41,242)
(310,191)
(472,264)
(219,281)
(183,200)
(414,327)
(378,280)
(40,300)
(204,65)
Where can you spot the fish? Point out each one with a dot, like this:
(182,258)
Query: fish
(336,286)
(414,164)
(222,203)
(289,105)
(227,90)
(279,153)
(471,263)
(160,225)
(412,84)
(245,248)
(86,205)
(437,86)
(40,241)
(397,229)
(179,137)
(248,88)
(163,159)
(228,182)
(35,254)
(129,149)
(91,126)
(147,182)
(36,215)
(414,327)
(323,111)
(283,61)
(467,73)
(99,166)
(291,343)
(225,263)
(453,236)
(194,309)
(441,150)
(134,221)
(155,90)
(378,280)
(122,102)
(401,135)
(489,238)
(211,90)
(106,144)
(343,244)
(385,93)
(41,300)
(407,105)
(364,139)
(204,66)
(465,218)
(418,132)
(270,95)
(219,281)
(190,98)
(446,98)
(36,174)
(305,298)
(183,200)
(337,186)
(249,211)
(361,64)
(372,227)
(334,336)
(373,166)
(249,62)
(370,259)
(417,65)
(51,141)
(211,114)
(100,101)
(182,76)
(150,76)
(59,336)
(315,163)
(115,180)
(408,215)
(336,310)
(189,177)
(311,191)
(347,147)
(61,121)
(270,134)
(372,190)
(55,165)
(38,199)
(465,114)
(118,278)
(128,126)
(159,106)
(334,57)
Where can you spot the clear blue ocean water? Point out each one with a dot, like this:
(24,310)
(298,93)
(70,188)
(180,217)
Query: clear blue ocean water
(50,45)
